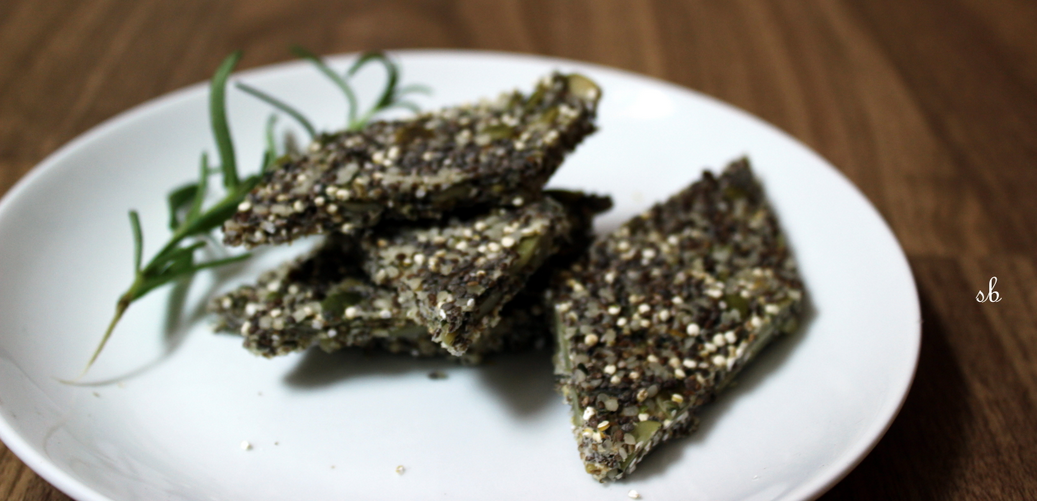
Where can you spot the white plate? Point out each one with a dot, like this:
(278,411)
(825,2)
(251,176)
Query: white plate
(179,400)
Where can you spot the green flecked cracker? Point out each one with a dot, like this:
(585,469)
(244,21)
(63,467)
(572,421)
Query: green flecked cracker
(488,153)
(459,273)
(656,318)
(325,299)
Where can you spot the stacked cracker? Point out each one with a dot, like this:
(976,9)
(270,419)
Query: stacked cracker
(435,225)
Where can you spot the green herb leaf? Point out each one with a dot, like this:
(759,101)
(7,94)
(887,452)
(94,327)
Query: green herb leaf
(178,199)
(392,75)
(200,190)
(138,240)
(218,114)
(414,89)
(281,105)
(330,73)
(403,104)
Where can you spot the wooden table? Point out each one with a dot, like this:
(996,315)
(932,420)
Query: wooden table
(929,106)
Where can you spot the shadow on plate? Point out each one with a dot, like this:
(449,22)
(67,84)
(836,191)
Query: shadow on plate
(523,381)
(178,320)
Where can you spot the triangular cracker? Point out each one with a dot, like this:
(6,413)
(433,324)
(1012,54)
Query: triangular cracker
(420,168)
(658,316)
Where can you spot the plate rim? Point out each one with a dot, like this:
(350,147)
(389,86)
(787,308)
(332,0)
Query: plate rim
(814,487)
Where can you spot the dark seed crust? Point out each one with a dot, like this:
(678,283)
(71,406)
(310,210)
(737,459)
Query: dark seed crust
(657,317)
(485,153)
(458,274)
(326,299)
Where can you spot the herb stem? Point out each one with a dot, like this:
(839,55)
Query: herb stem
(138,240)
(218,114)
(330,73)
(279,104)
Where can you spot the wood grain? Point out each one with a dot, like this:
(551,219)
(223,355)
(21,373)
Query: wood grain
(929,106)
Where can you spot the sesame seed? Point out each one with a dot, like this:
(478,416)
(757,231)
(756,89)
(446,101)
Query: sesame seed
(244,206)
(693,329)
(591,339)
(679,373)
(400,469)
(517,201)
(772,309)
(615,379)
(642,394)
(719,360)
(635,375)
(588,413)
(719,340)
(633,494)
(689,363)
(245,445)
(642,416)
(386,314)
(610,369)
(621,321)
(644,308)
(653,359)
(614,310)
(730,337)
(507,242)
(351,312)
(678,398)
(604,425)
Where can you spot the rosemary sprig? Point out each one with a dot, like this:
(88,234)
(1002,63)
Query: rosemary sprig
(193,230)
(176,259)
